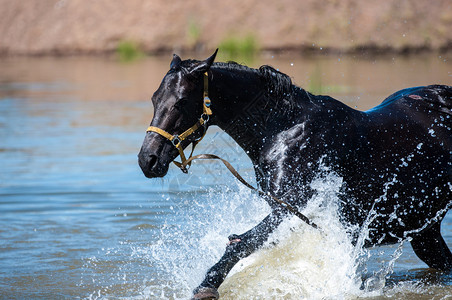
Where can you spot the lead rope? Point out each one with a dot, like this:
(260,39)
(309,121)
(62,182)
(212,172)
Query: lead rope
(244,182)
(185,163)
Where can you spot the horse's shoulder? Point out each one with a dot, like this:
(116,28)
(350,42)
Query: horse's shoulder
(288,137)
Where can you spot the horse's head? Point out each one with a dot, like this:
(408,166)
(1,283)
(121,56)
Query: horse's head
(178,107)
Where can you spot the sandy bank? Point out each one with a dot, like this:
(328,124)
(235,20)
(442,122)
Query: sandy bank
(87,27)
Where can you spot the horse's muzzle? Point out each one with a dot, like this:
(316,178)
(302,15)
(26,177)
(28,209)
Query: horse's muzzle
(151,165)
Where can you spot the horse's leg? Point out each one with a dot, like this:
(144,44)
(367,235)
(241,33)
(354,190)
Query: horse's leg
(240,246)
(431,248)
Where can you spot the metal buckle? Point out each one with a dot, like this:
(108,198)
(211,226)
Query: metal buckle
(205,118)
(176,140)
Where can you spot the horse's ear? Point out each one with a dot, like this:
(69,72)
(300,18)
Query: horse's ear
(175,62)
(204,65)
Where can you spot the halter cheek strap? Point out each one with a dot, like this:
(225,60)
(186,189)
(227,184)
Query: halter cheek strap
(177,140)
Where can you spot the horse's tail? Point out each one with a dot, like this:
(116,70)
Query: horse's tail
(439,97)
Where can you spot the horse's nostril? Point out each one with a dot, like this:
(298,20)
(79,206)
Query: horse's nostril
(152,161)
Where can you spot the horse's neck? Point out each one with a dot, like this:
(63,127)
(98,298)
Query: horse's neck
(243,110)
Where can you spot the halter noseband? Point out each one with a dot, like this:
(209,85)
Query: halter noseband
(177,139)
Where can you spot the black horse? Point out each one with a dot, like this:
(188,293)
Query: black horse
(395,159)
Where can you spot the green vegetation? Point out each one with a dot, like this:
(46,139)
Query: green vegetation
(317,87)
(193,33)
(239,48)
(128,51)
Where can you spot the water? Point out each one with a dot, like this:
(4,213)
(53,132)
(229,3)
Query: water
(79,220)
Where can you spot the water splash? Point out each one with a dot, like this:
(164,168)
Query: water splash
(194,238)
(298,262)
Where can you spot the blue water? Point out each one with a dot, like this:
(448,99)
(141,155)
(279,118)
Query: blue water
(79,220)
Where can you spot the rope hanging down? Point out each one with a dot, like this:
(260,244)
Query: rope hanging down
(185,163)
(244,182)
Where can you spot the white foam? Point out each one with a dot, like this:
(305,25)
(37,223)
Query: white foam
(298,262)
(304,263)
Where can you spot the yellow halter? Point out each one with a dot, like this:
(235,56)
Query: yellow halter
(186,163)
(177,139)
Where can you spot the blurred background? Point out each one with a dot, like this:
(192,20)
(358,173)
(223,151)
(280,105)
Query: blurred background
(79,220)
(90,27)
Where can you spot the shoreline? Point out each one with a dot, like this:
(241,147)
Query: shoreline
(311,27)
(364,51)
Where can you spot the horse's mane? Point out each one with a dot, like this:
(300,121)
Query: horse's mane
(278,86)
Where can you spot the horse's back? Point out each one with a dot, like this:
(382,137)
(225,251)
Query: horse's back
(423,110)
(438,97)
(406,156)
